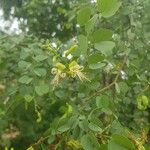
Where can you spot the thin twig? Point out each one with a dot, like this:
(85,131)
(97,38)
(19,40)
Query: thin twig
(111,84)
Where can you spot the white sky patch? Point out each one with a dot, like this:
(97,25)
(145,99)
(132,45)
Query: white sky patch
(1,13)
(11,26)
(93,1)
(53,1)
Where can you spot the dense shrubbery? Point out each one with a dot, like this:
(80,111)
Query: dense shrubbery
(88,92)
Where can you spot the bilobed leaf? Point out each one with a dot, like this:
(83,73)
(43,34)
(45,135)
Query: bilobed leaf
(120,142)
(41,72)
(94,61)
(105,47)
(86,143)
(95,58)
(94,127)
(89,142)
(64,128)
(42,89)
(102,35)
(96,66)
(89,27)
(123,141)
(102,101)
(28,98)
(24,64)
(25,79)
(108,8)
(123,87)
(117,127)
(24,54)
(40,58)
(83,16)
(114,146)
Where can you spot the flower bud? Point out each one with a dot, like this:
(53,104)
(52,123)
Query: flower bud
(60,66)
(71,50)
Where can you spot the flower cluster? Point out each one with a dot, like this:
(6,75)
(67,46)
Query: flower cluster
(59,73)
(74,70)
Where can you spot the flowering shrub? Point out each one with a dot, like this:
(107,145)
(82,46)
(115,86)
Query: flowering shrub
(89,93)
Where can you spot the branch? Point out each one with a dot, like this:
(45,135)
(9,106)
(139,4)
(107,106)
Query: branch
(111,84)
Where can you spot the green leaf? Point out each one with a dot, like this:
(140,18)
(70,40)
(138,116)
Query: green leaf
(89,27)
(108,8)
(107,111)
(24,54)
(123,141)
(123,87)
(25,79)
(83,44)
(86,142)
(83,16)
(94,127)
(51,139)
(116,127)
(104,147)
(42,89)
(40,58)
(117,88)
(105,47)
(114,146)
(24,64)
(63,128)
(41,72)
(102,101)
(93,85)
(119,142)
(28,98)
(97,66)
(102,35)
(89,142)
(94,61)
(84,125)
(95,58)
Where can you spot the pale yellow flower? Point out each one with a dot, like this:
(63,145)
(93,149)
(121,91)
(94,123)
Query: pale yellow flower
(59,73)
(76,70)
